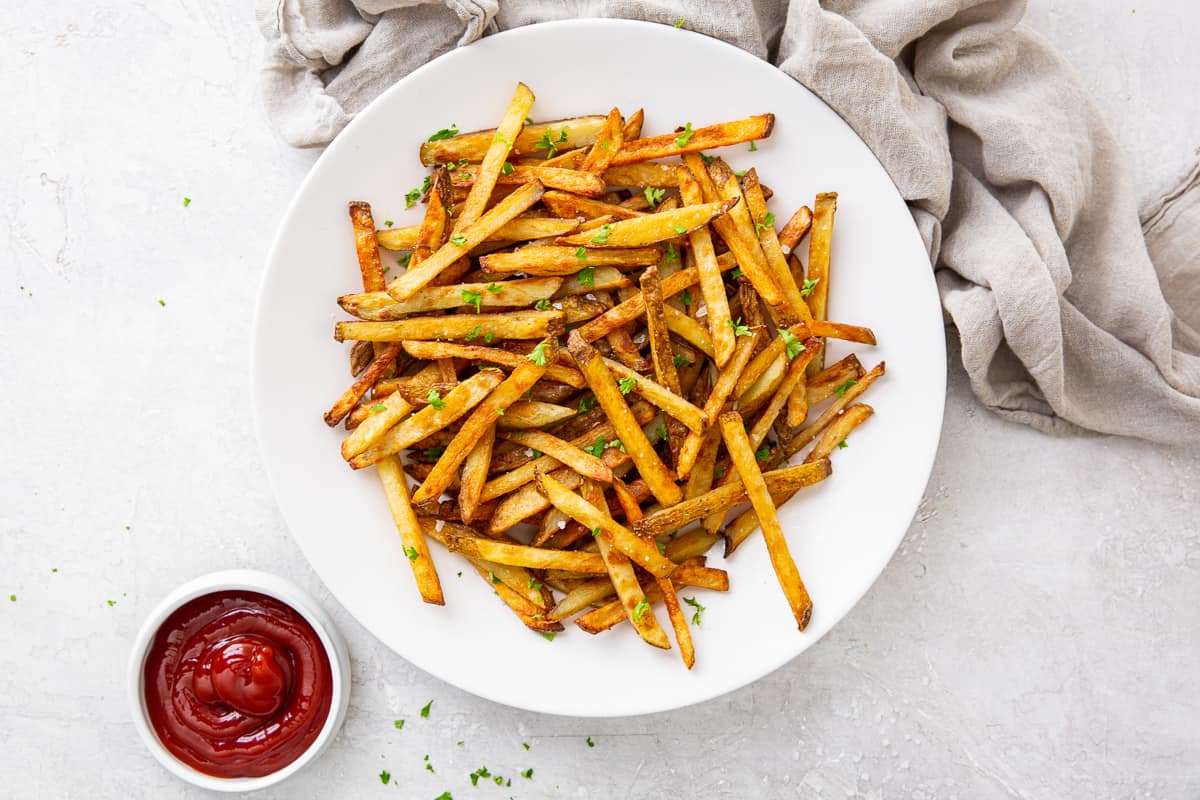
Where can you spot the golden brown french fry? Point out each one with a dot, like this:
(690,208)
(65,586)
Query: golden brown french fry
(383,361)
(794,230)
(485,415)
(494,355)
(649,229)
(643,175)
(846,396)
(567,180)
(623,577)
(474,473)
(791,379)
(764,226)
(611,137)
(658,395)
(565,204)
(366,247)
(520,229)
(567,453)
(464,239)
(740,234)
(566,134)
(383,414)
(688,329)
(695,542)
(712,286)
(377,306)
(785,479)
(601,279)
(412,540)
(432,232)
(523,556)
(638,550)
(835,435)
(360,356)
(659,477)
(717,397)
(519,579)
(633,125)
(663,356)
(532,615)
(695,140)
(558,260)
(734,433)
(612,614)
(533,413)
(817,281)
(430,419)
(508,325)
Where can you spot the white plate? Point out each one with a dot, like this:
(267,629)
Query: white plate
(841,532)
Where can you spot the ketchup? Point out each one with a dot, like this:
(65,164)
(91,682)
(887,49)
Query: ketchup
(237,684)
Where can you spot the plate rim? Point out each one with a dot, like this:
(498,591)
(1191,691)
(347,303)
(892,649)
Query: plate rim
(341,141)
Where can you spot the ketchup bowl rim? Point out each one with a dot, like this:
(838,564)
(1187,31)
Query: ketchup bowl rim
(233,580)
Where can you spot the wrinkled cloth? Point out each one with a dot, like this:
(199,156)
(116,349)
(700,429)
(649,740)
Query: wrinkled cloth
(1069,316)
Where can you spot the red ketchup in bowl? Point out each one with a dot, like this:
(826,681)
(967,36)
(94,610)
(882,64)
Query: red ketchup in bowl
(237,684)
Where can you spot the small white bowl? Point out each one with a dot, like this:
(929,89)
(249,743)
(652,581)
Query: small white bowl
(231,581)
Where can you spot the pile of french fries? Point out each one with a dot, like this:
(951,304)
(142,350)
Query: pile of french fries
(597,349)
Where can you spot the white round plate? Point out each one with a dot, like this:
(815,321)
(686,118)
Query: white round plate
(841,532)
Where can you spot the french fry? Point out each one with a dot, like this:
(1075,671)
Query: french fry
(717,397)
(818,260)
(712,286)
(721,135)
(649,229)
(566,453)
(565,204)
(519,579)
(567,180)
(846,396)
(464,239)
(638,550)
(734,434)
(413,429)
(366,247)
(521,229)
(764,226)
(649,465)
(642,175)
(485,415)
(791,379)
(474,473)
(695,542)
(633,125)
(533,413)
(740,234)
(360,356)
(576,132)
(522,556)
(795,228)
(384,413)
(509,325)
(658,395)
(602,279)
(412,540)
(362,384)
(608,143)
(432,232)
(494,355)
(558,260)
(380,306)
(612,614)
(835,435)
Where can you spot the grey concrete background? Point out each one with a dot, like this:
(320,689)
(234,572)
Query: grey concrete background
(1036,636)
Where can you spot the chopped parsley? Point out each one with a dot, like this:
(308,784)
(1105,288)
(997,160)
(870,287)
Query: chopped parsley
(680,360)
(388,223)
(736,273)
(12,598)
(601,236)
(482,772)
(662,548)
(445,795)
(549,637)
(617,443)
(502,139)
(808,287)
(791,343)
(597,449)
(162,302)
(403,260)
(474,332)
(686,298)
(533,584)
(111,603)
(707,159)
(425,710)
(385,777)
(768,221)
(527,773)
(753,146)
(762,453)
(435,399)
(738,328)
(679,22)
(679,229)
(841,390)
(495,288)
(487,337)
(378,407)
(543,305)
(507,168)
(654,196)
(661,432)
(590,743)
(595,531)
(411,198)
(842,445)
(672,253)
(458,239)
(691,601)
(640,609)
(538,356)
(525,745)
(428,766)
(627,385)
(399,724)
(492,577)
(581,253)
(433,452)
(470,297)
(187,201)
(549,143)
(412,552)
(445,133)
(586,404)
(682,139)
(587,277)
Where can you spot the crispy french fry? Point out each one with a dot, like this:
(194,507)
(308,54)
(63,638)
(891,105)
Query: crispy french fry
(791,379)
(383,361)
(649,228)
(521,229)
(643,175)
(764,226)
(485,415)
(734,433)
(601,279)
(366,247)
(566,453)
(558,260)
(574,132)
(794,230)
(412,540)
(835,435)
(638,550)
(360,356)
(508,325)
(846,396)
(432,232)
(633,125)
(519,579)
(567,180)
(613,614)
(721,135)
(533,414)
(658,395)
(474,473)
(430,419)
(819,241)
(600,379)
(740,234)
(494,355)
(712,286)
(384,413)
(695,542)
(522,556)
(611,137)
(688,329)
(717,397)
(464,239)
(380,306)
(565,204)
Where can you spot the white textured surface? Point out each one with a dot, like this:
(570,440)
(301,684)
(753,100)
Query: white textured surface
(1037,635)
